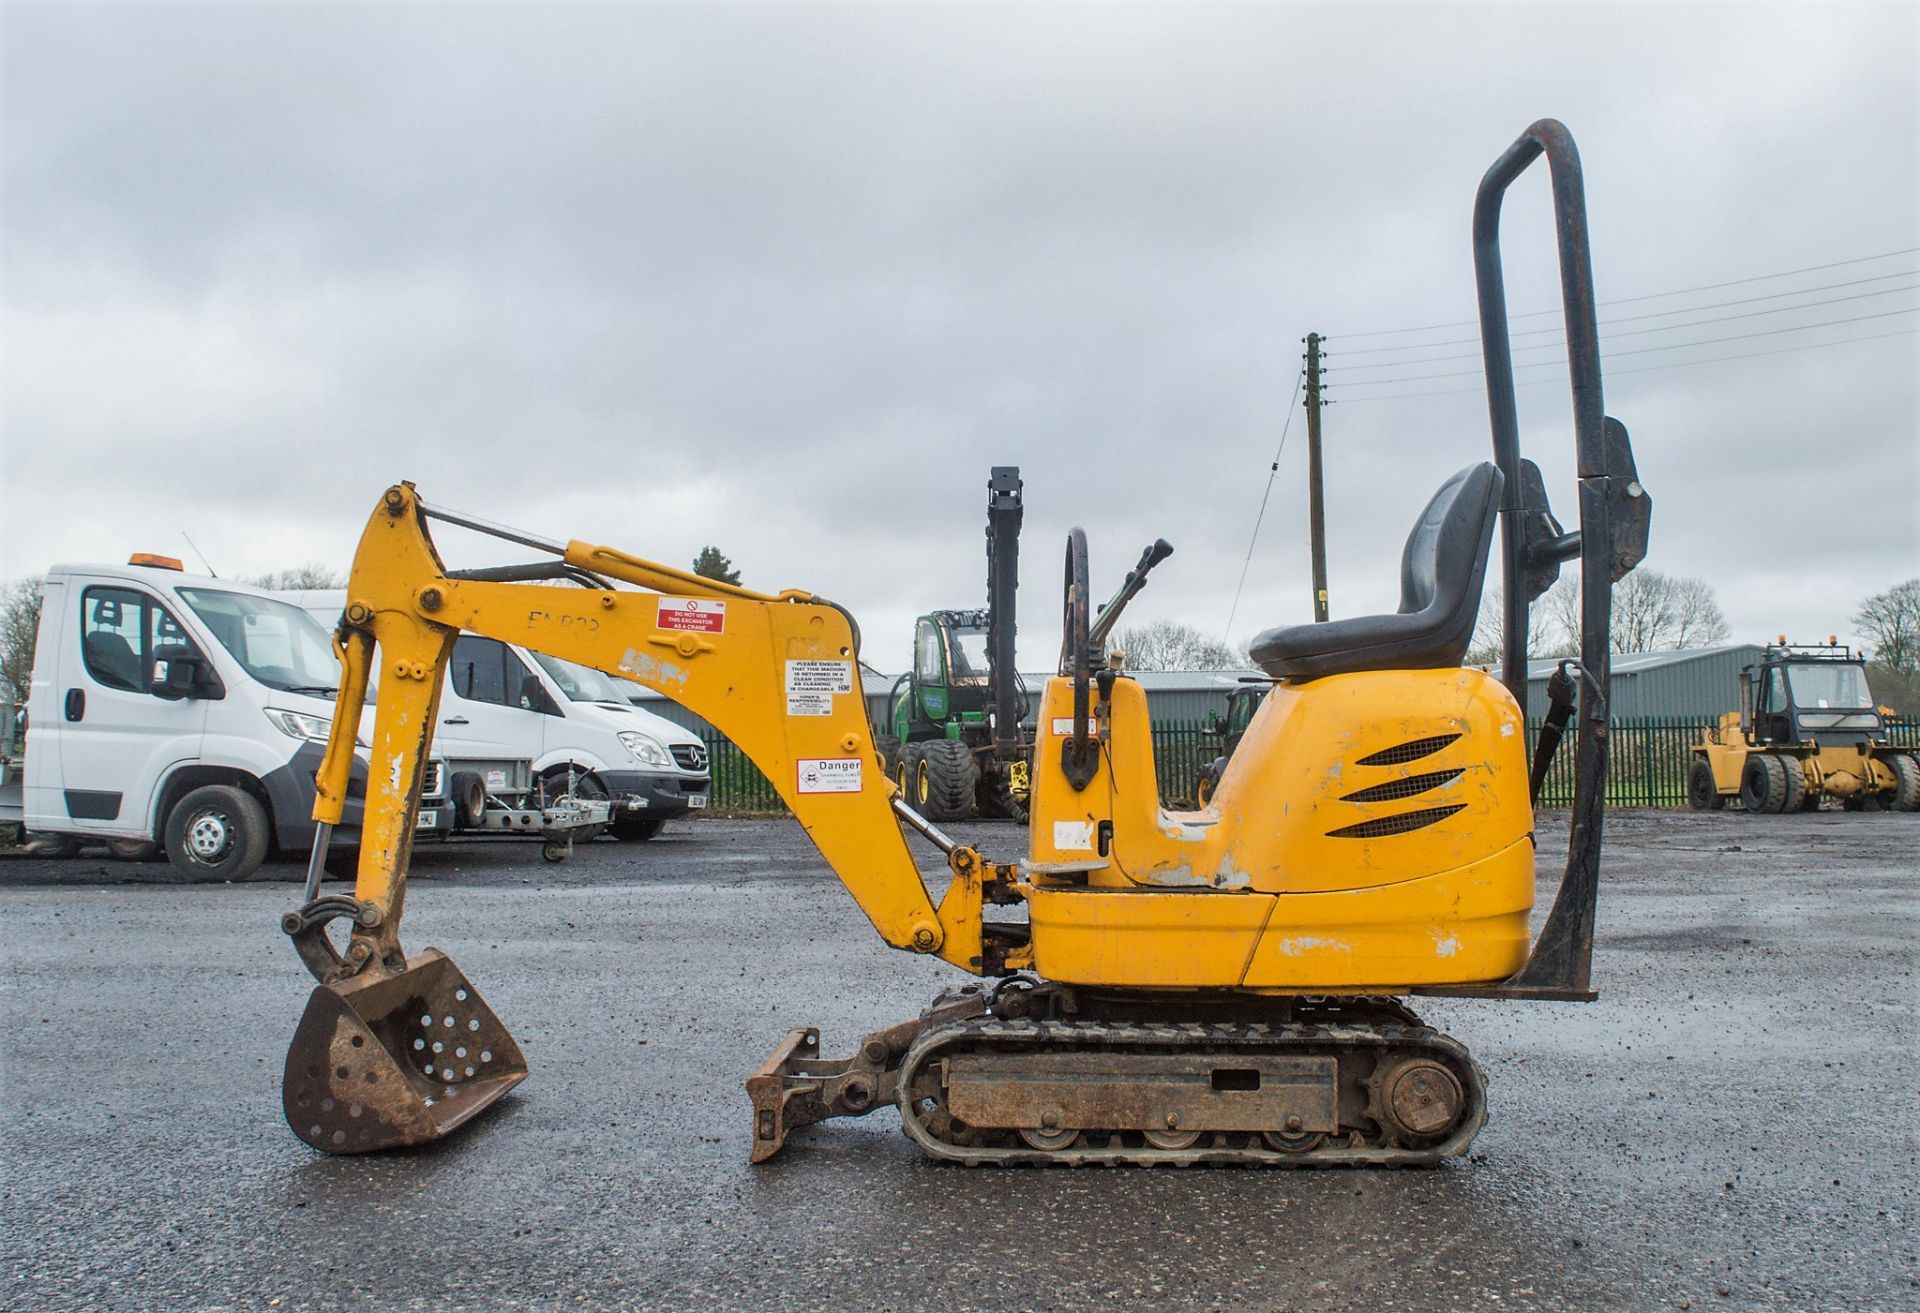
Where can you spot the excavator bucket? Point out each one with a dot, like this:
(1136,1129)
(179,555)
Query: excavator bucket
(378,1063)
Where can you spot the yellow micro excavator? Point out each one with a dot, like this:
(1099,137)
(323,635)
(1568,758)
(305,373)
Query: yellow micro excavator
(1214,986)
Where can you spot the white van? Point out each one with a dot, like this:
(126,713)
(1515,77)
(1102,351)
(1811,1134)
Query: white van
(503,703)
(185,711)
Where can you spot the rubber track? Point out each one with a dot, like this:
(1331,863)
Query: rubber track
(988,1032)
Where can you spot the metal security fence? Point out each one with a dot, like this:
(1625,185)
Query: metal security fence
(1181,750)
(1647,767)
(739,789)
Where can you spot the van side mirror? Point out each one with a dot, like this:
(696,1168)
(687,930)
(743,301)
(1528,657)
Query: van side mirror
(534,697)
(180,673)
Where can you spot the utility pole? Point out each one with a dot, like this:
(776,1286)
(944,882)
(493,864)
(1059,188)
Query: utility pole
(1316,508)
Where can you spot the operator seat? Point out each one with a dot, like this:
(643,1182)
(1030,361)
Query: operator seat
(1441,573)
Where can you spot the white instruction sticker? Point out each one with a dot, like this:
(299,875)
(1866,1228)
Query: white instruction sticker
(1063,726)
(829,774)
(809,704)
(819,676)
(1073,836)
(697,615)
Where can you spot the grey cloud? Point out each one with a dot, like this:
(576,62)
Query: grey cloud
(790,279)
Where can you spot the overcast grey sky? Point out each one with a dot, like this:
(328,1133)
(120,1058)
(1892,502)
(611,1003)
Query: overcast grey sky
(789,279)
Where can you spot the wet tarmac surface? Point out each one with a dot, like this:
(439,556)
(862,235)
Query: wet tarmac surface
(1733,1124)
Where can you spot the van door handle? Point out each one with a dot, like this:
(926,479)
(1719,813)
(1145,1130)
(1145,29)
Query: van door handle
(455,720)
(76,703)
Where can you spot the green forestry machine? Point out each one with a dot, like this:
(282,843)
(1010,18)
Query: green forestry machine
(1226,732)
(957,746)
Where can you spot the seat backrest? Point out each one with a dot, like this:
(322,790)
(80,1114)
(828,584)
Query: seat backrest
(112,660)
(1445,561)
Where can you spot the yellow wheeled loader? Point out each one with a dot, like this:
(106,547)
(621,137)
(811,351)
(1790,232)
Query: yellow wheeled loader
(1807,730)
(1214,986)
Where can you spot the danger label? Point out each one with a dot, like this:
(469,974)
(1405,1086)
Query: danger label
(829,774)
(695,614)
(809,704)
(820,677)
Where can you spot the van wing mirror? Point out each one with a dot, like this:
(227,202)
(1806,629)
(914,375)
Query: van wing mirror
(534,697)
(179,672)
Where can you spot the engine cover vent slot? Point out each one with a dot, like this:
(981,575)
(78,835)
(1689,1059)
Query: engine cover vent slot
(1394,790)
(1403,823)
(1412,750)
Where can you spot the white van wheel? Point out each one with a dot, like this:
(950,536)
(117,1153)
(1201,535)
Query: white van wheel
(634,828)
(217,832)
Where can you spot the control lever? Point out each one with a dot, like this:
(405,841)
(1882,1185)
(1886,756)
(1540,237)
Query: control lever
(1136,580)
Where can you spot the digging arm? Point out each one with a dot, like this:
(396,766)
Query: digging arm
(778,675)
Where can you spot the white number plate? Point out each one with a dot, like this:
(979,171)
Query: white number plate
(696,800)
(427,821)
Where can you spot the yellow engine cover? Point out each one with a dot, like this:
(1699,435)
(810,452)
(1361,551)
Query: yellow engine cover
(1371,833)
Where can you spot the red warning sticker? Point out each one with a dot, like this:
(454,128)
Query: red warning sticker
(696,614)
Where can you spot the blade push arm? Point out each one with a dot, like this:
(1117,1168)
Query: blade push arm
(778,675)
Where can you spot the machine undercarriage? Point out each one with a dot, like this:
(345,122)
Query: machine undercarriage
(1029,1073)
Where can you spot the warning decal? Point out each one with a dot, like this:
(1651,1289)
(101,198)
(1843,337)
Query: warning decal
(829,774)
(1063,726)
(694,614)
(819,676)
(809,704)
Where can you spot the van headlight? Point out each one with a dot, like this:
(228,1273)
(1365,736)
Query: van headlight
(297,725)
(648,750)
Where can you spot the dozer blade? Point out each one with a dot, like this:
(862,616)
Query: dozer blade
(785,1095)
(399,1060)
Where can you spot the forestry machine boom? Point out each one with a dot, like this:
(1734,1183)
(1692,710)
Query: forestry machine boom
(1161,987)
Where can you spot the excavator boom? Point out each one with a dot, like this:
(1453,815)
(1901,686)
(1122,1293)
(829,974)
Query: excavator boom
(708,646)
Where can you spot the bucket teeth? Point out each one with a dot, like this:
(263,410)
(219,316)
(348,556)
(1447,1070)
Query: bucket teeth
(379,1063)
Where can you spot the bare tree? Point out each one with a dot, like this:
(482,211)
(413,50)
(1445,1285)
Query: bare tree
(1892,621)
(311,575)
(1560,605)
(1174,645)
(1695,616)
(1652,612)
(1489,631)
(19,630)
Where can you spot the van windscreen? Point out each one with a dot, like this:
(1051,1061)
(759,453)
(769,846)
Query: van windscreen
(279,644)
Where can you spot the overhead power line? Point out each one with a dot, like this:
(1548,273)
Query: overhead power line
(1645,369)
(1273,471)
(1642,351)
(1636,332)
(1628,319)
(1649,296)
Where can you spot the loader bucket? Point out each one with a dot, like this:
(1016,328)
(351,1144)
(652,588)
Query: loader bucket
(378,1063)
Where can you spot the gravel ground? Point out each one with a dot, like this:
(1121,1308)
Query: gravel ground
(1733,1124)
